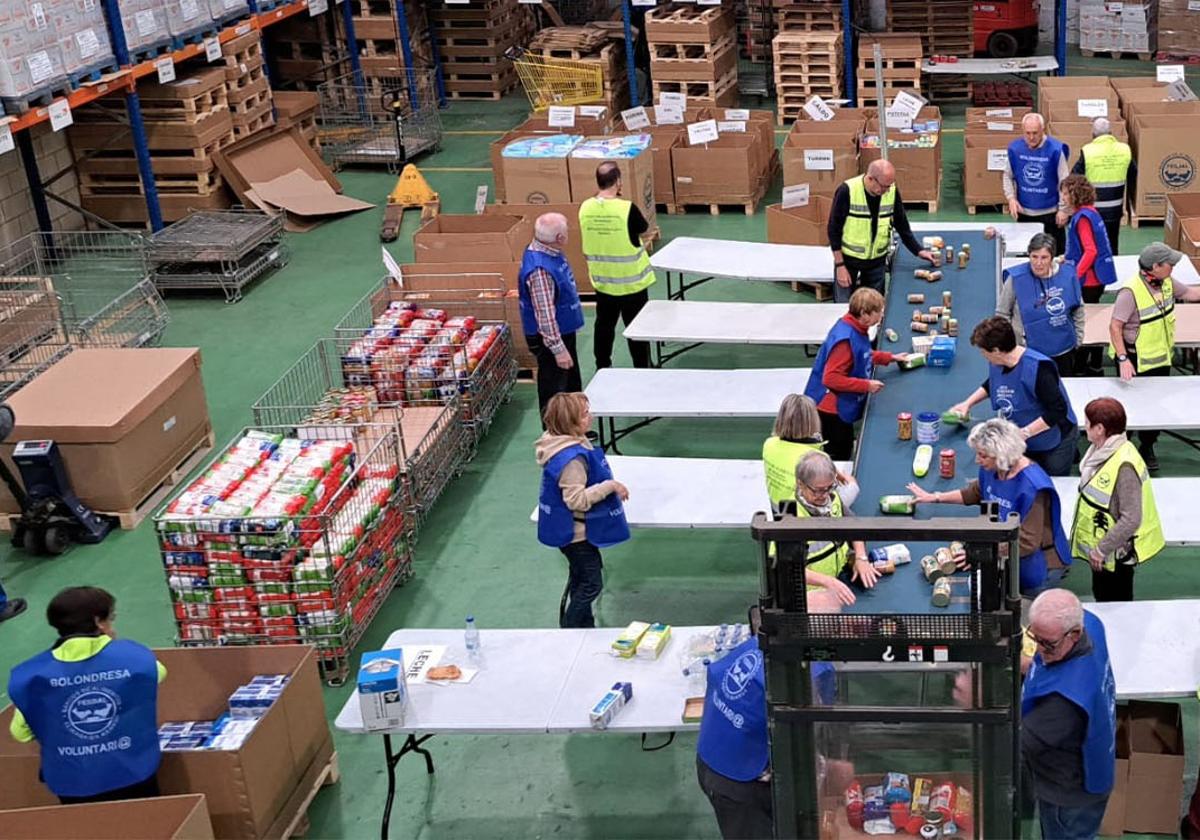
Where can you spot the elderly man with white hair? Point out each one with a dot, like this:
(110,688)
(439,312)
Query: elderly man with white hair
(1017,485)
(865,210)
(550,310)
(1068,717)
(1037,164)
(1109,165)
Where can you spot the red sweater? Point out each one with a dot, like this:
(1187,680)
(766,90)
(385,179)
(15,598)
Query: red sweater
(1085,270)
(838,366)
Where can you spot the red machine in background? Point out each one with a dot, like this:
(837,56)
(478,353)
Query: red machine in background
(1006,28)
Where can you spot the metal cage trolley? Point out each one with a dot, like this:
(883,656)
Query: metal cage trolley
(62,291)
(286,539)
(223,250)
(379,121)
(332,385)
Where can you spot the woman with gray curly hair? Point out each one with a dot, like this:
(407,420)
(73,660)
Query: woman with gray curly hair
(1018,485)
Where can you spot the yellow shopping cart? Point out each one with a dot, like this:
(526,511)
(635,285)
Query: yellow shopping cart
(557,81)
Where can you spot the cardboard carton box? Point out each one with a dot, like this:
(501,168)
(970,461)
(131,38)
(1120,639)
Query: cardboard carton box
(1180,208)
(726,171)
(809,147)
(480,276)
(536,180)
(252,792)
(1137,109)
(1156,764)
(1051,83)
(123,419)
(982,185)
(529,214)
(182,817)
(637,181)
(1165,166)
(919,170)
(470,238)
(1189,239)
(584,125)
(1063,103)
(799,225)
(1077,133)
(1006,115)
(1113,824)
(666,138)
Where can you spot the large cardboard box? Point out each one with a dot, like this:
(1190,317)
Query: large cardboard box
(536,180)
(918,170)
(981,185)
(1077,133)
(729,170)
(252,792)
(469,238)
(810,145)
(1165,165)
(1180,207)
(997,115)
(637,181)
(182,817)
(1049,84)
(666,138)
(123,419)
(1156,765)
(805,225)
(1113,824)
(1189,239)
(574,249)
(479,276)
(1156,108)
(1063,103)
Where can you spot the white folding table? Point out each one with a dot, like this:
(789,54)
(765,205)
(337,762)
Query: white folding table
(732,260)
(1167,403)
(1127,267)
(1099,315)
(991,66)
(1153,646)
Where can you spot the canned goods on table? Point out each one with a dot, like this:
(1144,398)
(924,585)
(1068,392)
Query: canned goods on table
(928,427)
(931,569)
(904,425)
(941,592)
(946,463)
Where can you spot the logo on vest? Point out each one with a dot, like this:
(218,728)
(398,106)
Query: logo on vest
(1177,171)
(1033,173)
(1055,306)
(91,713)
(737,678)
(1103,480)
(1004,407)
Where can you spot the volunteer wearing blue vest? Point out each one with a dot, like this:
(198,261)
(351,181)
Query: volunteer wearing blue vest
(1042,302)
(1018,485)
(841,376)
(550,310)
(1024,386)
(1091,252)
(579,505)
(1036,165)
(91,702)
(10,607)
(1109,166)
(1068,717)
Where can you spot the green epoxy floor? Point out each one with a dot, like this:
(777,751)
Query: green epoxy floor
(478,553)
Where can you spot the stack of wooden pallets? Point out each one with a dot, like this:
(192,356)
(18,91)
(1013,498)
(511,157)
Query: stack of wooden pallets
(945,28)
(247,88)
(806,64)
(590,44)
(379,44)
(901,67)
(472,41)
(693,50)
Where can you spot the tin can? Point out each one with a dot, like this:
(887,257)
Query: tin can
(945,560)
(928,318)
(944,323)
(946,463)
(929,832)
(891,334)
(916,298)
(918,326)
(946,295)
(931,569)
(959,551)
(904,426)
(937,258)
(934,276)
(936,310)
(928,427)
(941,593)
(949,254)
(921,274)
(963,258)
(966,246)
(897,504)
(918,315)
(952,327)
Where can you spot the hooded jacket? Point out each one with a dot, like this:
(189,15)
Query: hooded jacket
(577,495)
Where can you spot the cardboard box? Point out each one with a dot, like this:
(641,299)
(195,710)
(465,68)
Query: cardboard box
(1164,165)
(536,180)
(1157,108)
(637,181)
(252,792)
(808,144)
(983,186)
(123,419)
(729,170)
(997,115)
(470,238)
(1063,103)
(1052,83)
(919,170)
(1113,824)
(382,689)
(666,138)
(182,817)
(479,276)
(529,214)
(805,225)
(1180,207)
(1077,133)
(1156,765)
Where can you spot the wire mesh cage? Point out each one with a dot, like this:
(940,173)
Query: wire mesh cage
(284,539)
(218,249)
(557,81)
(379,120)
(60,291)
(327,387)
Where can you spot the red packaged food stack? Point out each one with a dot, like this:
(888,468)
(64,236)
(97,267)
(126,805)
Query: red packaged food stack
(854,805)
(899,813)
(942,800)
(964,807)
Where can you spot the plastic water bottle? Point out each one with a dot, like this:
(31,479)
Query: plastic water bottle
(471,639)
(697,677)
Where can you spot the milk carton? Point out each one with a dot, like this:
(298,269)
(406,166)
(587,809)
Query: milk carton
(382,690)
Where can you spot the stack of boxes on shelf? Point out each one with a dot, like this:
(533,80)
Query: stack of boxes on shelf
(1116,28)
(380,52)
(472,41)
(248,90)
(901,67)
(83,36)
(46,47)
(1177,30)
(305,50)
(145,26)
(946,28)
(807,64)
(592,45)
(986,137)
(693,51)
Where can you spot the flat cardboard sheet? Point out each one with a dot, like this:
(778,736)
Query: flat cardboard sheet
(300,193)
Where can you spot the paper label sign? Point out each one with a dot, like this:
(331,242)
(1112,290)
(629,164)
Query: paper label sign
(678,100)
(668,115)
(1180,92)
(1194,5)
(1169,72)
(997,160)
(393,267)
(910,103)
(531,2)
(731,127)
(649,3)
(998,112)
(702,132)
(737,114)
(1092,107)
(189,8)
(6,139)
(212,49)
(561,116)
(595,112)
(999,126)
(818,160)
(166,69)
(60,114)
(316,7)
(1114,8)
(816,108)
(480,199)
(795,196)
(635,118)
(87,42)
(897,118)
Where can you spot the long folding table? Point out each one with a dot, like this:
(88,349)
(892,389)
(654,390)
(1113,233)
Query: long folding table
(1127,268)
(1099,315)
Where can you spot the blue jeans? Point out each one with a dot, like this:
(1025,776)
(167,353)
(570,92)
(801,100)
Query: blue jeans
(1060,459)
(1063,823)
(584,583)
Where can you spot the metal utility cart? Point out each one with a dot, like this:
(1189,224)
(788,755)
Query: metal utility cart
(218,249)
(328,387)
(883,716)
(61,291)
(379,121)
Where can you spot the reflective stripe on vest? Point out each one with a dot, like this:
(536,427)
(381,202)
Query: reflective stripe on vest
(1154,345)
(616,265)
(779,463)
(1093,511)
(827,558)
(856,230)
(1106,164)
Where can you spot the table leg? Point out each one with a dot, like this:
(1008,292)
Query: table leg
(411,744)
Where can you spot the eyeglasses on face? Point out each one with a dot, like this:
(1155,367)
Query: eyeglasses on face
(819,492)
(1051,646)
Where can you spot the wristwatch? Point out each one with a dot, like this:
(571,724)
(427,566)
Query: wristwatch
(1122,358)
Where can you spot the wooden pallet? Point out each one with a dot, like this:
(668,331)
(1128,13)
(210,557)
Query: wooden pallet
(749,206)
(1135,219)
(721,92)
(188,109)
(820,291)
(199,184)
(252,125)
(1131,54)
(118,160)
(996,207)
(687,24)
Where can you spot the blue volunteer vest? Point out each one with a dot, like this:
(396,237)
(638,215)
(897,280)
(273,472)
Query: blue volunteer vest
(1014,397)
(95,720)
(567,312)
(1105,268)
(733,732)
(1035,172)
(605,523)
(1046,308)
(1016,495)
(1087,681)
(849,406)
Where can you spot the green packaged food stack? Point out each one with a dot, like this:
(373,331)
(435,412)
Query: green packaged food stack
(902,504)
(953,418)
(914,361)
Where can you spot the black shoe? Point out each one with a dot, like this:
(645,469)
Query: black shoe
(1147,453)
(12,609)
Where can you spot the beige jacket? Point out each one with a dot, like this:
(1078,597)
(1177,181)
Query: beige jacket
(577,495)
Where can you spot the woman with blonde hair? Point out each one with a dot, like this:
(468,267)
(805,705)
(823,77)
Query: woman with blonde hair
(580,507)
(797,432)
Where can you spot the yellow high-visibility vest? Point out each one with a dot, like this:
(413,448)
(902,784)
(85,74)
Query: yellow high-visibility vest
(856,231)
(1093,509)
(779,463)
(1156,325)
(617,267)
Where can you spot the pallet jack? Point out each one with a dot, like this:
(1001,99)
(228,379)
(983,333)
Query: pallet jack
(52,516)
(412,192)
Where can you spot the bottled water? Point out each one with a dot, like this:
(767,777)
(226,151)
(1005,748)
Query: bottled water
(471,639)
